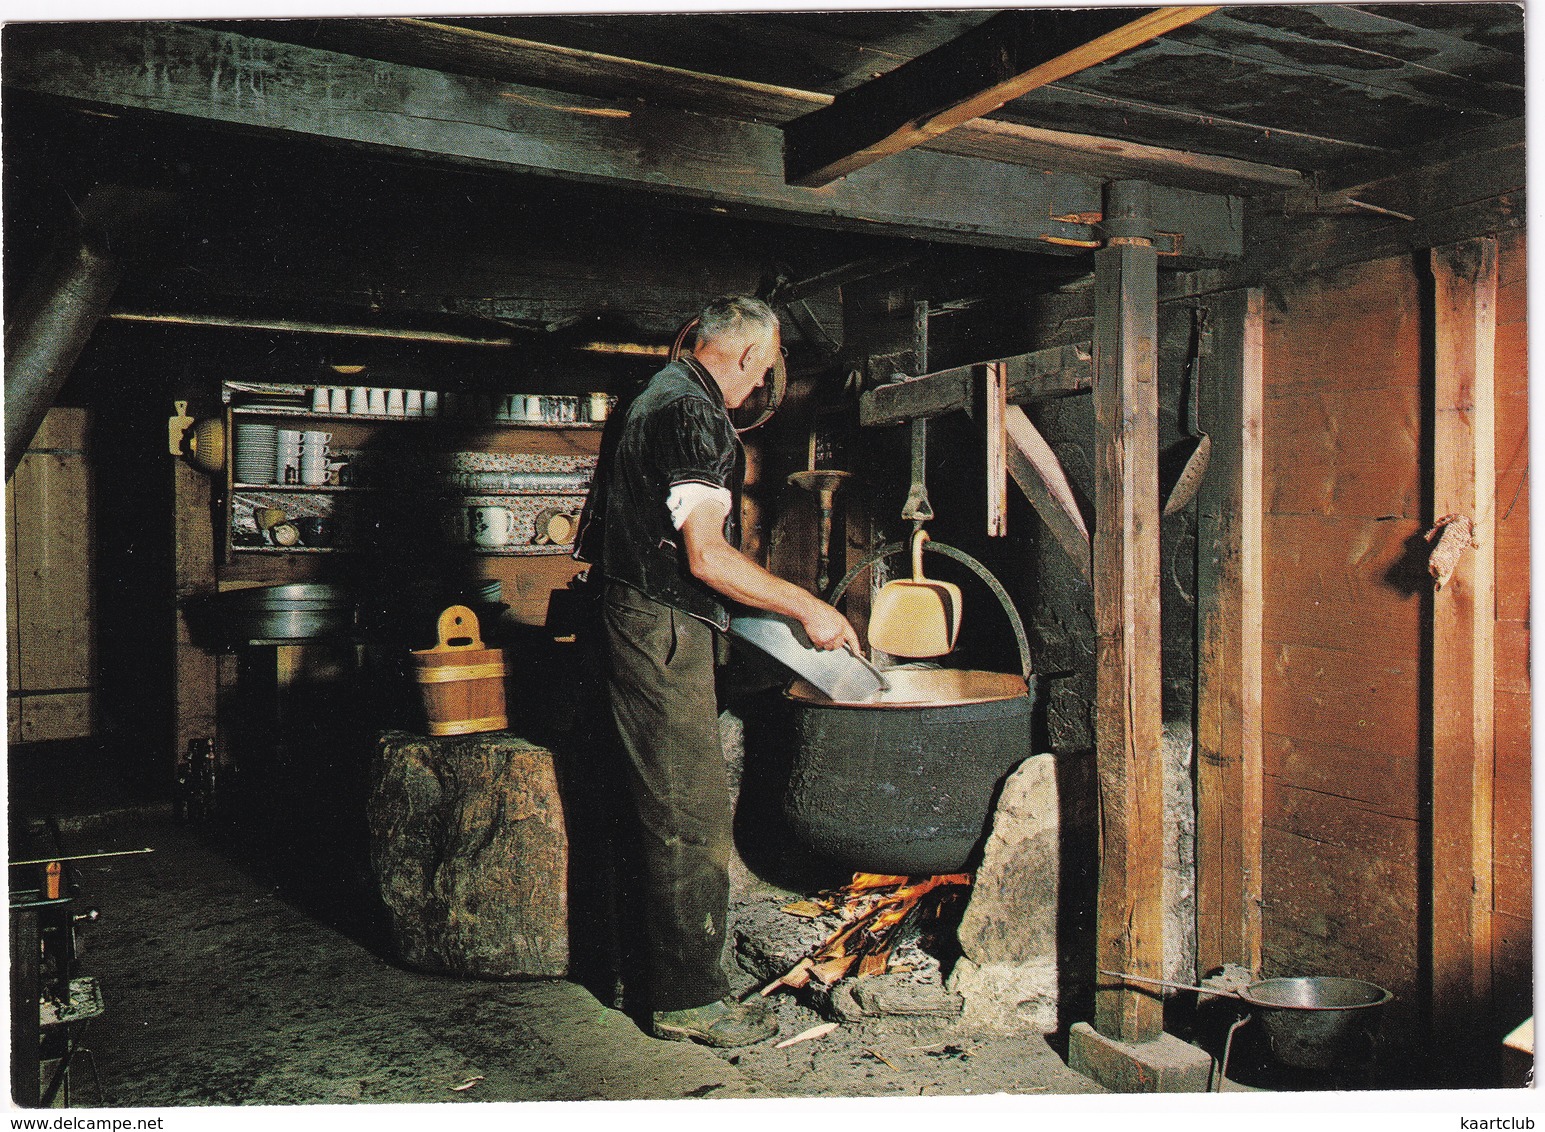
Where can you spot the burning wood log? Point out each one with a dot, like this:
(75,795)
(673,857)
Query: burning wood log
(875,910)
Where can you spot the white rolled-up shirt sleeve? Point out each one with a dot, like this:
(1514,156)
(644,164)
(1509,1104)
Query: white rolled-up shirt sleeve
(684,498)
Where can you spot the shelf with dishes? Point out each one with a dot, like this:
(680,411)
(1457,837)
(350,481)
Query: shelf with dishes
(373,404)
(273,520)
(444,492)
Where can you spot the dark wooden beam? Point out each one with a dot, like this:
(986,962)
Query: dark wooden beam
(237,81)
(478,53)
(1128,683)
(1457,188)
(1009,55)
(1054,372)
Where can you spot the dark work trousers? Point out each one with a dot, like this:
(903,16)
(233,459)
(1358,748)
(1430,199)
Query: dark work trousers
(661,680)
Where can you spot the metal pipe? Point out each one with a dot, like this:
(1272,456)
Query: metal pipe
(54,320)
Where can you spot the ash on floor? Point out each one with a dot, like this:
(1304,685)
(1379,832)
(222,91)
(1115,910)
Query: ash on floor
(899,1033)
(225,988)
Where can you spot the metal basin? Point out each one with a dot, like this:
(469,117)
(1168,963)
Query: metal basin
(303,611)
(1318,1021)
(905,784)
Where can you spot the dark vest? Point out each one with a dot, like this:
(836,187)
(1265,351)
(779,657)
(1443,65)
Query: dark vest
(676,429)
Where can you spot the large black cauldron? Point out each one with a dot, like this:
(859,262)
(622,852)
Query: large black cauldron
(906,785)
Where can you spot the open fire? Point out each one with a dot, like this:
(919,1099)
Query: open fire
(876,910)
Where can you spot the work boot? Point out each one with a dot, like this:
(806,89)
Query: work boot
(722,1024)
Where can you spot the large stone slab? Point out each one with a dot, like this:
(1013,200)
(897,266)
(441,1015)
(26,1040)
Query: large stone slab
(469,850)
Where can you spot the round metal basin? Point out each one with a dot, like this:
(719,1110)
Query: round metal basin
(1318,1021)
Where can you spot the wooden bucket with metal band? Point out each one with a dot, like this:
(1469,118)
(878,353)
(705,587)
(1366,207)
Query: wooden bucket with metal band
(462,682)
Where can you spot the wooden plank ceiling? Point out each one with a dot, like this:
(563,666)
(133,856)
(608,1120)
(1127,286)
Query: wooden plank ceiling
(1284,87)
(1291,107)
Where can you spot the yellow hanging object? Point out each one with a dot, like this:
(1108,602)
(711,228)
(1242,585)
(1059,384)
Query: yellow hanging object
(916,617)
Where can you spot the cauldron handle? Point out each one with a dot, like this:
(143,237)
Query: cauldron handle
(981,572)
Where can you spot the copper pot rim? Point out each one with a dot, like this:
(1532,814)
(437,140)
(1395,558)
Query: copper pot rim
(924,688)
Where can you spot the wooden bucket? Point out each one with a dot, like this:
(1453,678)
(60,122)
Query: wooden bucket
(462,682)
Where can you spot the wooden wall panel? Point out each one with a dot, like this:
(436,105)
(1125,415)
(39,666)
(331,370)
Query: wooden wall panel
(50,628)
(1329,581)
(1341,444)
(1343,629)
(1384,780)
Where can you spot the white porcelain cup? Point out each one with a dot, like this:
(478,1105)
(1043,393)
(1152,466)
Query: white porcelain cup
(597,406)
(378,402)
(314,443)
(394,403)
(490,526)
(413,402)
(359,399)
(431,403)
(321,402)
(313,471)
(287,437)
(338,399)
(533,407)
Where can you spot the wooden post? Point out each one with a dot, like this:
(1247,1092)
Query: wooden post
(1228,662)
(1464,483)
(1128,714)
(197,669)
(997,443)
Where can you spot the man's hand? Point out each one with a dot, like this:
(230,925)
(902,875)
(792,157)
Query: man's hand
(828,629)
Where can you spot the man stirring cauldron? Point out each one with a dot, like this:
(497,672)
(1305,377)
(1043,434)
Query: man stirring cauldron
(668,531)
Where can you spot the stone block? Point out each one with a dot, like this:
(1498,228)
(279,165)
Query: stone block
(1006,998)
(470,853)
(1012,915)
(1164,1065)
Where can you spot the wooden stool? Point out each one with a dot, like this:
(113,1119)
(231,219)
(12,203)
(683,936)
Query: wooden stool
(470,853)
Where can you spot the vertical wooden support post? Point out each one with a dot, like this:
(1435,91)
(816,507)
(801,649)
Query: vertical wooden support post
(997,384)
(1464,483)
(1228,662)
(1128,713)
(193,543)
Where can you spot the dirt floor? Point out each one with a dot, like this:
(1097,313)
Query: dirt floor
(226,988)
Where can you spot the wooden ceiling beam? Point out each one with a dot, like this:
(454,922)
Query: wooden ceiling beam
(238,82)
(1009,55)
(472,51)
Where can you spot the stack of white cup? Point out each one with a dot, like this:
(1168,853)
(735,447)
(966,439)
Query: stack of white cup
(313,457)
(287,455)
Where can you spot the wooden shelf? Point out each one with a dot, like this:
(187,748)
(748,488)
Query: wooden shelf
(375,418)
(545,550)
(438,492)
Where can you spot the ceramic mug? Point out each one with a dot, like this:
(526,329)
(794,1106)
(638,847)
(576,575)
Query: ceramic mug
(378,402)
(490,526)
(359,400)
(555,526)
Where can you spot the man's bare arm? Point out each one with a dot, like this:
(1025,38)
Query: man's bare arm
(721,567)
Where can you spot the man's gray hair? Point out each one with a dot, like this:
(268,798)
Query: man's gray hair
(735,316)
